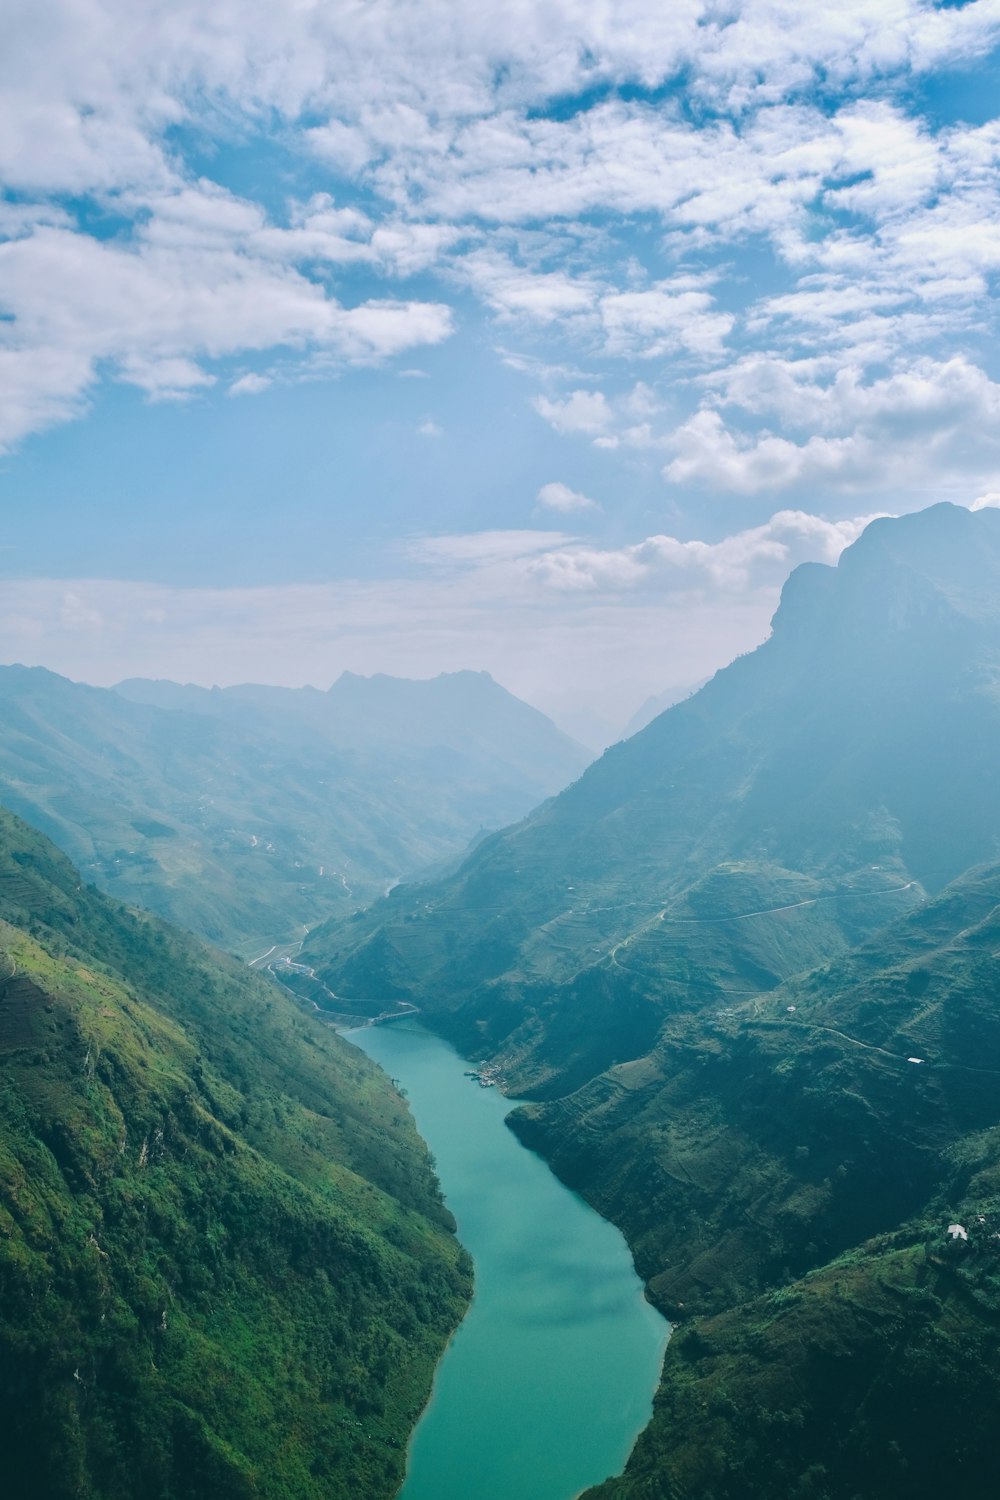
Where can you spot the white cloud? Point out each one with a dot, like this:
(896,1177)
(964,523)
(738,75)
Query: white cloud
(429,129)
(156,313)
(39,386)
(557,496)
(663,320)
(759,557)
(249,385)
(172,378)
(553,619)
(931,420)
(515,291)
(430,429)
(481,548)
(989,501)
(583,411)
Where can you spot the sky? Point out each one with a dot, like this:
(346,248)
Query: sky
(415,335)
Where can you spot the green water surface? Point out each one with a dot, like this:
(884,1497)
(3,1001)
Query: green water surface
(550,1378)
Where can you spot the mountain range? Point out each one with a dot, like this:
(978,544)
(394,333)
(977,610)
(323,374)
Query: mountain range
(249,813)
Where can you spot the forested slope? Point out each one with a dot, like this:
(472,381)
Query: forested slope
(791,1178)
(225,1267)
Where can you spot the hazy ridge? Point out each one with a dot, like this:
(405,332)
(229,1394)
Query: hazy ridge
(244,813)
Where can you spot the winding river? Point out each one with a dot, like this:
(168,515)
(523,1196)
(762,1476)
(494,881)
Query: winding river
(550,1378)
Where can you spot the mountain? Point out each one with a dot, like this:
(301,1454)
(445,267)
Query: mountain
(656,705)
(710,963)
(806,795)
(465,717)
(225,1267)
(246,813)
(814,1154)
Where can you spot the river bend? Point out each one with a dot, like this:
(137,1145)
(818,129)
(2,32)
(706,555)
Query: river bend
(550,1378)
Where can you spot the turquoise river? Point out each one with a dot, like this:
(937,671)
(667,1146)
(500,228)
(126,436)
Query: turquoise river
(550,1378)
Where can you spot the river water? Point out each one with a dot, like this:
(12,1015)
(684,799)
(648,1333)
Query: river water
(550,1378)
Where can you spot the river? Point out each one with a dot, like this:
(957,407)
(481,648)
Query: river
(548,1381)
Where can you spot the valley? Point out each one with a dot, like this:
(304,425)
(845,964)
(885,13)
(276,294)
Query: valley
(550,1377)
(744,974)
(499,750)
(741,979)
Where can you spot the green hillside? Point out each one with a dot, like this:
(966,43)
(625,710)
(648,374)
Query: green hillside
(788,1178)
(225,1267)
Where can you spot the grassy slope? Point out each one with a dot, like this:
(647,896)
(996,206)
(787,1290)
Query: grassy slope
(225,1268)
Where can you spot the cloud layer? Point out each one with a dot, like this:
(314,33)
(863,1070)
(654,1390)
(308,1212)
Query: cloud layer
(557,620)
(525,158)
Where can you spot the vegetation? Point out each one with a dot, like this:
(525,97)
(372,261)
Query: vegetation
(245,813)
(804,1156)
(225,1267)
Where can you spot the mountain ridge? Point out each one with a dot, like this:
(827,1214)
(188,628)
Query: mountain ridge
(253,824)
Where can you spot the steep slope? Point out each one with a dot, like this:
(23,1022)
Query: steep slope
(658,704)
(825,781)
(225,1268)
(788,1175)
(250,812)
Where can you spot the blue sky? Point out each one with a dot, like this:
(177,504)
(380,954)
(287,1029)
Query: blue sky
(407,336)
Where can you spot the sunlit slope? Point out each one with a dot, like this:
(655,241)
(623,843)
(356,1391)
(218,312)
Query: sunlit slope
(225,1269)
(248,812)
(788,1174)
(807,795)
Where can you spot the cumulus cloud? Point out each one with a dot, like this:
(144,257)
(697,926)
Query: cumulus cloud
(758,557)
(557,496)
(934,416)
(516,291)
(249,385)
(663,320)
(582,411)
(156,312)
(429,145)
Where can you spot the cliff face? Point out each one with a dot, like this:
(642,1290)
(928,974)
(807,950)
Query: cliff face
(225,1268)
